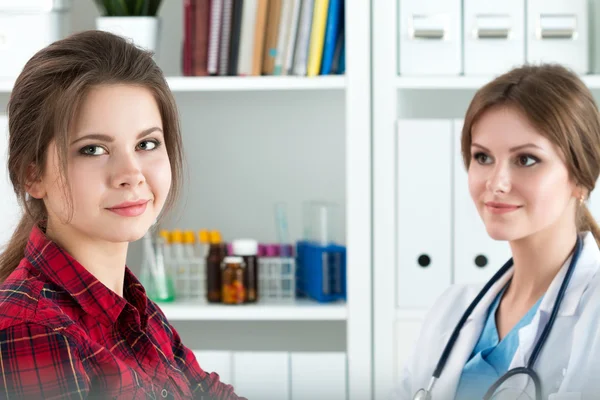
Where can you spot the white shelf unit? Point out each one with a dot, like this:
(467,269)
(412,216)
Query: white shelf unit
(250,141)
(395,329)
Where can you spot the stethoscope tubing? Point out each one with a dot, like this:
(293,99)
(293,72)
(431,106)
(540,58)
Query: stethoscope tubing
(539,344)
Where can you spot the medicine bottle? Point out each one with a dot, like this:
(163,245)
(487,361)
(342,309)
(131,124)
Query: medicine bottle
(248,250)
(216,253)
(233,290)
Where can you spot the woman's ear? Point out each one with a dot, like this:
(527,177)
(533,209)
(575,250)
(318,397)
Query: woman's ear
(35,186)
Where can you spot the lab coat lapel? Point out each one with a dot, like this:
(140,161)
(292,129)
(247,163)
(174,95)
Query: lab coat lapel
(584,271)
(468,337)
(582,275)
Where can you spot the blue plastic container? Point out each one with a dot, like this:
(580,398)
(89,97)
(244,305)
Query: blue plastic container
(320,271)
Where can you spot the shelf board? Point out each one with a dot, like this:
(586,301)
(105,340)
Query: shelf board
(298,310)
(464,82)
(256,83)
(237,83)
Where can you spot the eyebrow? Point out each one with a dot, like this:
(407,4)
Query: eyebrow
(512,149)
(109,139)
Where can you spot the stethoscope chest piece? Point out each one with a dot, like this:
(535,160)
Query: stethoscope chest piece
(422,395)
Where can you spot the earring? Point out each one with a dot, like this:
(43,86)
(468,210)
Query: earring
(581,200)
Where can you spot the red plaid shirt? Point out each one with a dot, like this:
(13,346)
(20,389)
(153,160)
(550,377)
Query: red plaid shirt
(63,334)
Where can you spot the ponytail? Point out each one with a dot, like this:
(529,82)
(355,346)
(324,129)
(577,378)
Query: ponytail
(14,251)
(587,222)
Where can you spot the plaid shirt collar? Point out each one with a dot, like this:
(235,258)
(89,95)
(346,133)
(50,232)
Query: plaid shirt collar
(93,296)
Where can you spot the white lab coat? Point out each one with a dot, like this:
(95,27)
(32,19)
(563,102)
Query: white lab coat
(569,363)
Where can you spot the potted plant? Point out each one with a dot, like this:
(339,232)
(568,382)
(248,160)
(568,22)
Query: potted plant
(133,19)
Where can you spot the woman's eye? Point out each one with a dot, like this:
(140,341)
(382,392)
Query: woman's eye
(92,150)
(527,160)
(482,158)
(148,145)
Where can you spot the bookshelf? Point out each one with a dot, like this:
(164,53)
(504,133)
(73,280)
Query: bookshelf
(251,142)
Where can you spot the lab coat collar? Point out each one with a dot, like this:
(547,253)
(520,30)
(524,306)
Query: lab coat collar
(585,269)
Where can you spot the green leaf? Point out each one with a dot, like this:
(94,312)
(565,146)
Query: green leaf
(139,7)
(154,6)
(114,8)
(121,8)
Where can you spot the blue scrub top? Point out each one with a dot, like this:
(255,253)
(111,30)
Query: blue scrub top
(491,358)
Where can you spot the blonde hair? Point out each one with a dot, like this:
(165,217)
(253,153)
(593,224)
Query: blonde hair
(560,107)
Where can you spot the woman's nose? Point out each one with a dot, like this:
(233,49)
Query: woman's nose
(499,180)
(127,172)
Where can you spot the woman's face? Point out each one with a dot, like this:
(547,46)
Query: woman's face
(518,178)
(118,167)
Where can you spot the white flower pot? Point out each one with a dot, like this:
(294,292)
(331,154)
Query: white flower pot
(143,31)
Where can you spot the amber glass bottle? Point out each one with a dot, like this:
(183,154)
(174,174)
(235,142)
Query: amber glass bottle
(216,253)
(233,290)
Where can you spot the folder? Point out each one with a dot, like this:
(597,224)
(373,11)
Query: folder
(335,20)
(493,36)
(557,31)
(10,212)
(262,375)
(318,376)
(424,207)
(247,36)
(593,203)
(214,36)
(317,37)
(430,37)
(476,255)
(216,361)
(303,38)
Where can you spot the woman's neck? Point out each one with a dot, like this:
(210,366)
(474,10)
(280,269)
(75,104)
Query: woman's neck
(537,260)
(105,260)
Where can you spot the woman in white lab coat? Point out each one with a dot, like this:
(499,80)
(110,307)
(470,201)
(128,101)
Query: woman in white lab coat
(531,145)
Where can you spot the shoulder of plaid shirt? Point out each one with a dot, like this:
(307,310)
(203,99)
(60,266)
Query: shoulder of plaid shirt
(63,334)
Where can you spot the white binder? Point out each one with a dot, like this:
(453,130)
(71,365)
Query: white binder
(593,202)
(10,212)
(318,376)
(424,207)
(262,375)
(216,361)
(493,36)
(476,256)
(429,37)
(557,31)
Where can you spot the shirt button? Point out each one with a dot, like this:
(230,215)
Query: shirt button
(164,393)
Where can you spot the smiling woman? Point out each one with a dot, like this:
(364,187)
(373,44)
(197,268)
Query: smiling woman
(531,147)
(95,158)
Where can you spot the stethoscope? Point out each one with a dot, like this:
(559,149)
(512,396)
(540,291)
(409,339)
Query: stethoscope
(425,394)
